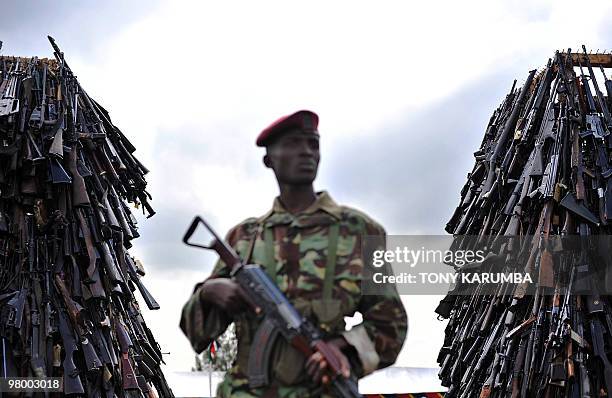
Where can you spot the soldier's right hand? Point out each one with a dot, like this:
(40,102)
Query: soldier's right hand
(224,293)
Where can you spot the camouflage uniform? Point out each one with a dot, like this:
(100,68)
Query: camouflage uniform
(294,249)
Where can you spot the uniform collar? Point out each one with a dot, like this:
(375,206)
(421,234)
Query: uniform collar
(324,202)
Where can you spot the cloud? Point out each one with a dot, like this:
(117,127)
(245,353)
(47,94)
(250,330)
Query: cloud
(79,27)
(410,172)
(604,31)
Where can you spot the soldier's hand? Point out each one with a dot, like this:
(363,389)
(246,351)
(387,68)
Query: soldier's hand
(224,293)
(317,366)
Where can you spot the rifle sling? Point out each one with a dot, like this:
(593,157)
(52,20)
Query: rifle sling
(330,266)
(269,253)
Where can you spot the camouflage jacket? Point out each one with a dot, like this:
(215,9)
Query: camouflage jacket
(294,249)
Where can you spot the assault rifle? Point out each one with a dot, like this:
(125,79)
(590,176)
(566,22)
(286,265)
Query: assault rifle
(551,338)
(65,273)
(279,317)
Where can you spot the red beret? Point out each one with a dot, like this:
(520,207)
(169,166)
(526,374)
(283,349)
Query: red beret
(307,121)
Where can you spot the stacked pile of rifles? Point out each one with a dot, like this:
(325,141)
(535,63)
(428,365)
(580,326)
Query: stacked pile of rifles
(67,283)
(542,174)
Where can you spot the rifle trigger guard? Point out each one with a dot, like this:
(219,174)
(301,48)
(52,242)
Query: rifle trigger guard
(259,354)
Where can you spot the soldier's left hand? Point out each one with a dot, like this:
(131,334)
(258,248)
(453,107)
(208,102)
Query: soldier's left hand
(317,367)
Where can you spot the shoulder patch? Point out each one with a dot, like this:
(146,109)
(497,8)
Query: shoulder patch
(242,229)
(247,223)
(357,216)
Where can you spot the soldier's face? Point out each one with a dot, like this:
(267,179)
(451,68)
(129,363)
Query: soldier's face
(294,157)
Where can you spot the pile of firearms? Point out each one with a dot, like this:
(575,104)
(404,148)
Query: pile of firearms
(542,172)
(67,282)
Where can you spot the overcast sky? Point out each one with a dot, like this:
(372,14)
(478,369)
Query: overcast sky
(403,90)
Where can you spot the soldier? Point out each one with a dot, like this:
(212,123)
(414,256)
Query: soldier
(311,247)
